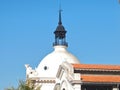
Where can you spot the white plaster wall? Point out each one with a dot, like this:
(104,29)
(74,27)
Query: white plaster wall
(47,86)
(115,88)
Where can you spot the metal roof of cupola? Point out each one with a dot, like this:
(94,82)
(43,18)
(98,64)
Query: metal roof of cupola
(60,33)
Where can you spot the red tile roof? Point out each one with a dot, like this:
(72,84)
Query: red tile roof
(100,78)
(95,66)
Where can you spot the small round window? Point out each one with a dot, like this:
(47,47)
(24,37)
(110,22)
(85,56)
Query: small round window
(45,67)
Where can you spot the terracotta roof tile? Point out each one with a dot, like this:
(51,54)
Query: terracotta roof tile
(100,78)
(96,66)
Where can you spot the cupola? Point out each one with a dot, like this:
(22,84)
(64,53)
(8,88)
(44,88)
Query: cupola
(60,33)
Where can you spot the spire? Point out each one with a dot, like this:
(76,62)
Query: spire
(60,33)
(60,10)
(60,19)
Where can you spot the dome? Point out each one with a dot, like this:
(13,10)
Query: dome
(48,67)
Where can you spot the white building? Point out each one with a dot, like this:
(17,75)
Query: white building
(60,70)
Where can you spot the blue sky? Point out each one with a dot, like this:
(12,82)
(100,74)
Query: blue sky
(27,26)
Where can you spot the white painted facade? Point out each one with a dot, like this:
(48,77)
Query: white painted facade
(67,79)
(49,74)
